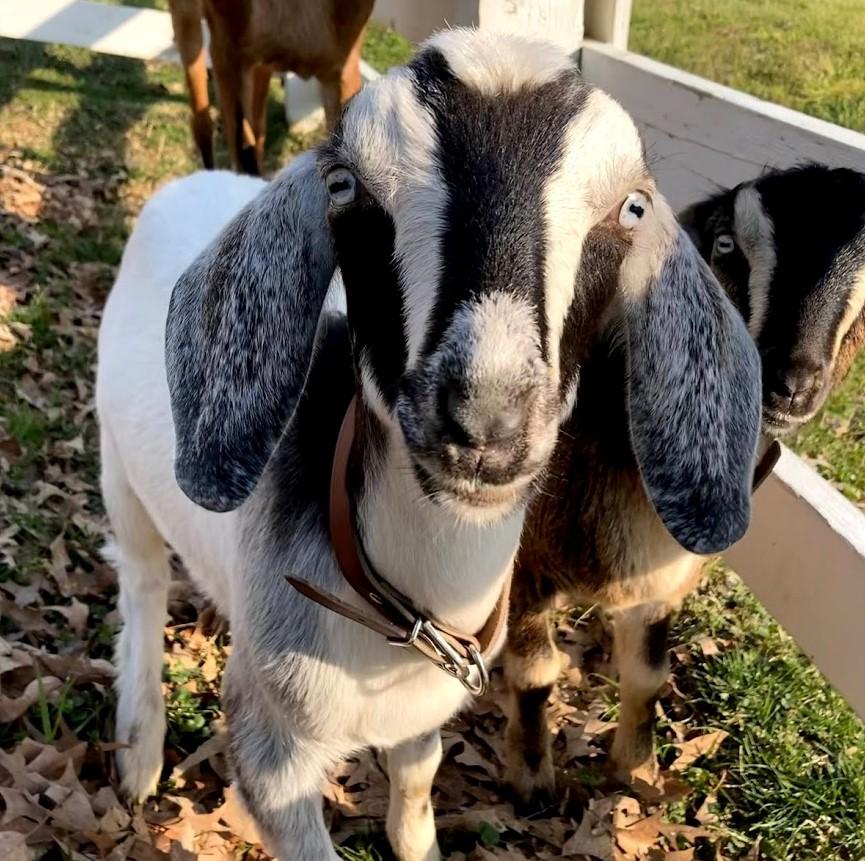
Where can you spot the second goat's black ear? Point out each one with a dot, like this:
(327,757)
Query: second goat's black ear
(693,388)
(698,219)
(240,333)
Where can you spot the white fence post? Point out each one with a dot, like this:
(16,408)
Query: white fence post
(609,21)
(560,21)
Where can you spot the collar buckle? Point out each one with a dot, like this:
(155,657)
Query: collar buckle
(470,671)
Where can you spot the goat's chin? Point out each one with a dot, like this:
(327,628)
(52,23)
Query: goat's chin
(778,424)
(476,503)
(483,505)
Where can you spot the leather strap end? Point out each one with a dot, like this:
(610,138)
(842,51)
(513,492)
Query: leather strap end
(766,464)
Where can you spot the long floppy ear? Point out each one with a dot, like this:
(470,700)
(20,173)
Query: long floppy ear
(240,333)
(694,388)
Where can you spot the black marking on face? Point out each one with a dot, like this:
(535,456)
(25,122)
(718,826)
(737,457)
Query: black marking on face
(815,211)
(705,222)
(364,239)
(495,156)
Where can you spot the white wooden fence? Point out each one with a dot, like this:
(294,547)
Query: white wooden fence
(804,555)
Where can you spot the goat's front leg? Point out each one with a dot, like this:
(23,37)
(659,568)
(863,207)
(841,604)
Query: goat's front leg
(640,649)
(411,767)
(531,669)
(278,771)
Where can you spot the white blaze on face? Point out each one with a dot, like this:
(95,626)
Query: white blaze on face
(500,334)
(755,236)
(602,160)
(496,62)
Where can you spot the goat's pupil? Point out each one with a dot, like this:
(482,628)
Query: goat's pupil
(339,185)
(637,209)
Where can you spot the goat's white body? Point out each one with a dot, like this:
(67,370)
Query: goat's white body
(132,395)
(356,689)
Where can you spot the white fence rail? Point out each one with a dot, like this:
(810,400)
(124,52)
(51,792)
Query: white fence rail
(804,555)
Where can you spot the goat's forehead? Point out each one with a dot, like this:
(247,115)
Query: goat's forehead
(502,107)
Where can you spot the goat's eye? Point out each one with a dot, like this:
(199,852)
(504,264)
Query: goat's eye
(341,186)
(633,210)
(724,244)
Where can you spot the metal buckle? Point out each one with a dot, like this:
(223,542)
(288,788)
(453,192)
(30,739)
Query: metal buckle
(471,672)
(410,639)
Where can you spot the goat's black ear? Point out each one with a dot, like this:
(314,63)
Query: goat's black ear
(693,387)
(695,220)
(240,333)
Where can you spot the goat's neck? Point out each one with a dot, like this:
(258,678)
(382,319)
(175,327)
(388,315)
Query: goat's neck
(452,569)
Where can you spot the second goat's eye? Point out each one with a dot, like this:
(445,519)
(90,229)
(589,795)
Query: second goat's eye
(724,244)
(633,209)
(341,186)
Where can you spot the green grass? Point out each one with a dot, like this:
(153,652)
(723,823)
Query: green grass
(793,768)
(384,48)
(806,54)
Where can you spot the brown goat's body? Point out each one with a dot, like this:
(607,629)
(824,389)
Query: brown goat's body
(249,41)
(593,536)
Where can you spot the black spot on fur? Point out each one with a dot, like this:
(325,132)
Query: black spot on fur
(532,705)
(656,642)
(495,155)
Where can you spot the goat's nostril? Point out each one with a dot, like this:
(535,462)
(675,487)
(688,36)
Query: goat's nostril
(504,425)
(796,386)
(471,424)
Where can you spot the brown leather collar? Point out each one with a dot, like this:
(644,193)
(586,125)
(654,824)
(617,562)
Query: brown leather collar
(461,655)
(766,464)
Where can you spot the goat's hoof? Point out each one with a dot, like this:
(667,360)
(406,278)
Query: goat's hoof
(635,770)
(139,775)
(531,784)
(212,622)
(140,764)
(534,794)
(540,802)
(403,853)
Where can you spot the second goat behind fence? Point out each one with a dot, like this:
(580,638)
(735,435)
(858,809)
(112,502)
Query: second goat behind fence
(456,195)
(249,41)
(789,248)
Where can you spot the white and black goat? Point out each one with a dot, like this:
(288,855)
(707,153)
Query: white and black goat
(456,195)
(789,248)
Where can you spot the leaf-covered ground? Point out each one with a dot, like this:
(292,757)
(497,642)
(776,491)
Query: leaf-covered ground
(760,759)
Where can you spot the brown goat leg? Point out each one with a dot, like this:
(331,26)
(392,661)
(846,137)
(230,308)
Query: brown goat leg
(229,85)
(186,21)
(640,647)
(261,76)
(531,669)
(339,84)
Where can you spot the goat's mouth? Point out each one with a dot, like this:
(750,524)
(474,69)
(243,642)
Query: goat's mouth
(472,499)
(780,423)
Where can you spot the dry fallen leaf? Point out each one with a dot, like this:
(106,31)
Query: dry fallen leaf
(701,745)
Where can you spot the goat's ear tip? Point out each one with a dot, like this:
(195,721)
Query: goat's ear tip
(715,531)
(217,493)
